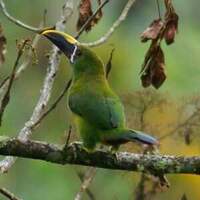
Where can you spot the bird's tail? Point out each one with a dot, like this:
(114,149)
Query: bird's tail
(133,135)
(126,135)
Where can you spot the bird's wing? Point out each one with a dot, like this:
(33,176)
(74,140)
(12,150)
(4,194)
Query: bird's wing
(103,110)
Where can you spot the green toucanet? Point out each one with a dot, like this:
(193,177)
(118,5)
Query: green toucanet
(98,110)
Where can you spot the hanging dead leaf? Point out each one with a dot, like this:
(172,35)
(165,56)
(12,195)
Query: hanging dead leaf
(153,73)
(2,46)
(153,68)
(85,11)
(146,78)
(171,27)
(153,31)
(171,22)
(159,76)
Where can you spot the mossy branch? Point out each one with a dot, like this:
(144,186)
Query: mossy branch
(75,154)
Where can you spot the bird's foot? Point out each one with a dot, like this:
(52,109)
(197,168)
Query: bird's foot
(83,146)
(78,143)
(113,149)
(88,150)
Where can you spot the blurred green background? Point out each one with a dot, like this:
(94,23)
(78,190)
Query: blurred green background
(36,180)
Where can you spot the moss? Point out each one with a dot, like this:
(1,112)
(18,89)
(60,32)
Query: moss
(140,167)
(3,140)
(54,157)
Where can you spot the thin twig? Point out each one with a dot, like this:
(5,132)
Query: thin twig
(4,81)
(8,194)
(88,177)
(54,61)
(45,17)
(24,65)
(68,138)
(88,191)
(109,63)
(181,125)
(54,105)
(158,7)
(140,189)
(115,25)
(16,21)
(6,98)
(91,18)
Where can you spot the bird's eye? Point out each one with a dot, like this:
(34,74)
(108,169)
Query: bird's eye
(78,52)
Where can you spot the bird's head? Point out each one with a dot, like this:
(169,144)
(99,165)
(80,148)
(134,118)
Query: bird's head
(66,43)
(75,52)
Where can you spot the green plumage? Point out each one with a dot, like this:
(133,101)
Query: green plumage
(99,112)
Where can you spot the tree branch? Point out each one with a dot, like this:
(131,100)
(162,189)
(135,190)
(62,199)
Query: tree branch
(76,154)
(24,65)
(87,190)
(8,194)
(87,179)
(16,21)
(54,61)
(115,25)
(6,98)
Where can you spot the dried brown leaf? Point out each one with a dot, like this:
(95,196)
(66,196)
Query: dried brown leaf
(2,46)
(146,80)
(171,27)
(171,22)
(85,12)
(154,73)
(159,76)
(153,31)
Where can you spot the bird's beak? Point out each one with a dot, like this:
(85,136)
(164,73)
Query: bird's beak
(66,43)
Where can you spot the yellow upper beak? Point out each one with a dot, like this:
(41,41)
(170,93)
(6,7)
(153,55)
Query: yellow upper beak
(68,38)
(66,43)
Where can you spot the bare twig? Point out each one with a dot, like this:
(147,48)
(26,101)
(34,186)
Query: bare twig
(88,177)
(91,18)
(140,189)
(4,81)
(54,61)
(6,98)
(181,125)
(116,24)
(88,191)
(68,138)
(8,194)
(158,8)
(16,21)
(23,66)
(53,106)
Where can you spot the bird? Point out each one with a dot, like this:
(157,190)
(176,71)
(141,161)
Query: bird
(98,110)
